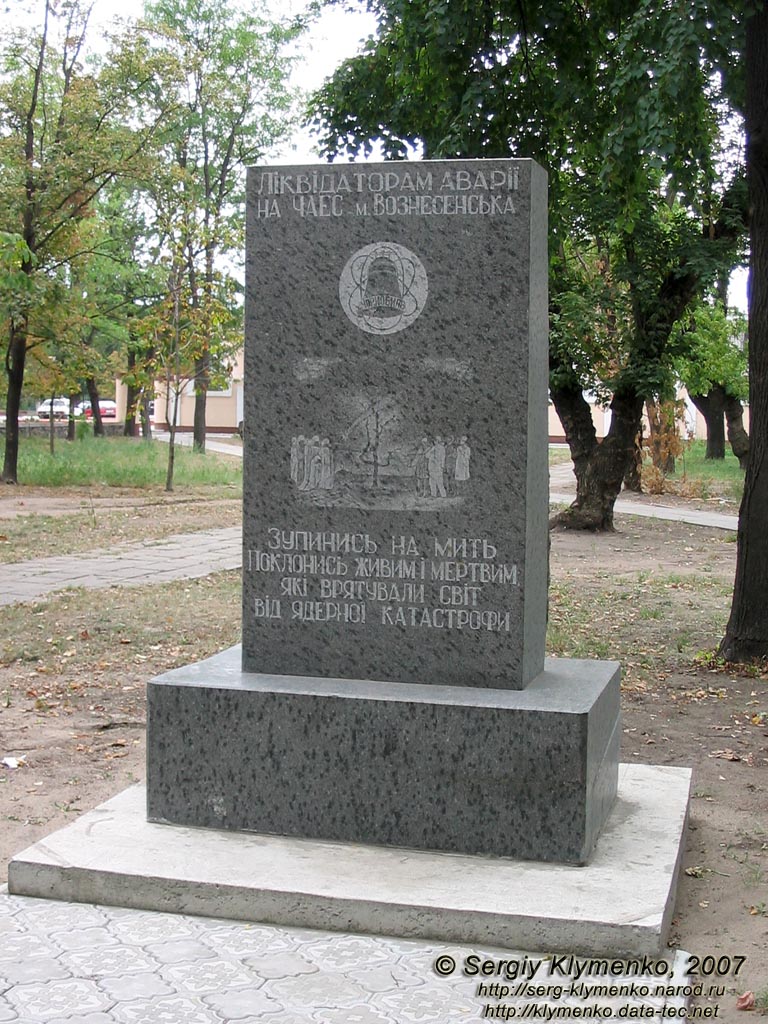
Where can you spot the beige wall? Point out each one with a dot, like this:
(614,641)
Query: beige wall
(601,417)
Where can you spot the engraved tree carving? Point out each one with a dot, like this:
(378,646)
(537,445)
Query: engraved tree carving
(375,422)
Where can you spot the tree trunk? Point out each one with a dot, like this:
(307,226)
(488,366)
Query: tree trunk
(202,379)
(661,420)
(132,399)
(737,435)
(74,398)
(14,361)
(93,394)
(171,421)
(146,422)
(746,635)
(633,478)
(51,427)
(712,408)
(599,465)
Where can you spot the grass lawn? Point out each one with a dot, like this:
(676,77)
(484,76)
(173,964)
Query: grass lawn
(708,478)
(121,462)
(98,493)
(695,476)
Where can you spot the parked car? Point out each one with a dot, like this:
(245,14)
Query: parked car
(58,406)
(107,408)
(83,408)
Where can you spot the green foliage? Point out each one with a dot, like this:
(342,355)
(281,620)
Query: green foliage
(712,343)
(123,166)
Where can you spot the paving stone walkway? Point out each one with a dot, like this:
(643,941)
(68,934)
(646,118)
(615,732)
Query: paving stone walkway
(64,963)
(183,556)
(562,490)
(187,556)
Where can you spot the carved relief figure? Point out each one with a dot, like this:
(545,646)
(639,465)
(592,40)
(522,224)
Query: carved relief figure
(450,467)
(436,468)
(463,453)
(420,468)
(312,461)
(326,466)
(297,445)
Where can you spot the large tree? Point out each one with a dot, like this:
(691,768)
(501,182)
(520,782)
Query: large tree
(746,635)
(713,368)
(231,105)
(621,103)
(68,131)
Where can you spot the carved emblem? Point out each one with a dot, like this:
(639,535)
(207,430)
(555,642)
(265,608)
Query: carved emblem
(383,288)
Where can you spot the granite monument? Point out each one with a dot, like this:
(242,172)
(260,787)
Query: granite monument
(393,687)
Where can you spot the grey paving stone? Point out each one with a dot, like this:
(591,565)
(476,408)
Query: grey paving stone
(50,917)
(36,969)
(360,1014)
(344,952)
(241,1003)
(424,1006)
(88,1018)
(383,979)
(251,940)
(280,965)
(141,928)
(317,990)
(24,945)
(168,1010)
(209,976)
(136,986)
(179,951)
(56,998)
(106,962)
(85,938)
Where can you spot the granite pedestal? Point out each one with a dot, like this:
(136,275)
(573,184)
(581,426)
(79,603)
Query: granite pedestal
(529,774)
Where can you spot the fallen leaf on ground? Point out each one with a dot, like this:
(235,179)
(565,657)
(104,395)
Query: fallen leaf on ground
(726,755)
(746,1001)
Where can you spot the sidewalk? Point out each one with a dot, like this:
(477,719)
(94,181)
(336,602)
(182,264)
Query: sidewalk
(187,556)
(67,963)
(183,556)
(562,490)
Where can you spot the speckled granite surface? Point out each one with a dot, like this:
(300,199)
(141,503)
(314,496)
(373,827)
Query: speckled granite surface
(510,773)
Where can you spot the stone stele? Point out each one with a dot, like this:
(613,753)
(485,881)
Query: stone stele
(393,687)
(395,512)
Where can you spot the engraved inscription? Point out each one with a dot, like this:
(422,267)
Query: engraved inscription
(317,576)
(332,194)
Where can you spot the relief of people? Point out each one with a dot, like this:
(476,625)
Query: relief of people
(441,467)
(312,463)
(376,464)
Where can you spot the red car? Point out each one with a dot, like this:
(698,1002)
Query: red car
(107,408)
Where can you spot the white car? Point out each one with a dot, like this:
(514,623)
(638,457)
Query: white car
(58,406)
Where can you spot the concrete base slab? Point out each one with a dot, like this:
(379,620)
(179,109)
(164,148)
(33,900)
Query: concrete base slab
(620,903)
